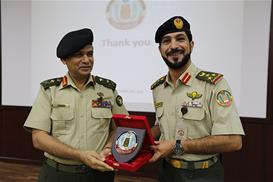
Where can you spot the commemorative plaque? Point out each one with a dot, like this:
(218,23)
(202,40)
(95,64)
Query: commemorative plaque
(130,148)
(127,143)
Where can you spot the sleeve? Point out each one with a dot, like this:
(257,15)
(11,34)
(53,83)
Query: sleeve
(118,106)
(157,113)
(39,116)
(224,114)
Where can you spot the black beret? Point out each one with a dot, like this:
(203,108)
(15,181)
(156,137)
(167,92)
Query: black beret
(174,24)
(73,42)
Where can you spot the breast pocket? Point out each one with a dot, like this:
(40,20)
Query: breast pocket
(195,123)
(101,117)
(195,114)
(61,119)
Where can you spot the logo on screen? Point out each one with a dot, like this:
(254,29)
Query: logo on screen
(125,14)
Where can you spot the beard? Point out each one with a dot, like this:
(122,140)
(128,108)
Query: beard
(178,63)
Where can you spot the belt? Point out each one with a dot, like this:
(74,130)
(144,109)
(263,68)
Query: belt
(67,168)
(182,164)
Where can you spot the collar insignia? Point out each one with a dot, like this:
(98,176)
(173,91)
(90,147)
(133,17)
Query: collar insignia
(64,81)
(186,78)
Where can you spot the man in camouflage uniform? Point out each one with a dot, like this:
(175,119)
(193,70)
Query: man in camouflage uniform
(71,117)
(196,117)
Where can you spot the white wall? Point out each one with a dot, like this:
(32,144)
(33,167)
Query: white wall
(231,37)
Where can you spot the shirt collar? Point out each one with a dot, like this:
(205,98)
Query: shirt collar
(67,81)
(186,78)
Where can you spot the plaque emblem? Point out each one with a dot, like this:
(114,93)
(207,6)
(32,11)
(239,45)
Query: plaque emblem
(126,143)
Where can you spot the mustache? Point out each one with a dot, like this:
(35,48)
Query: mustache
(174,51)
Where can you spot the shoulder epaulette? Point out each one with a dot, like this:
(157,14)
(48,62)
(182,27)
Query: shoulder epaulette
(209,77)
(51,82)
(158,82)
(106,82)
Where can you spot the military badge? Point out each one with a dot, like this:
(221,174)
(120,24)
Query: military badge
(100,94)
(194,95)
(224,98)
(181,130)
(126,142)
(209,77)
(159,82)
(51,82)
(64,81)
(99,103)
(186,78)
(194,104)
(178,23)
(158,104)
(119,100)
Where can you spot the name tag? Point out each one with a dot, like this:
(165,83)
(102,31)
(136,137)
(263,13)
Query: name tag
(60,105)
(194,104)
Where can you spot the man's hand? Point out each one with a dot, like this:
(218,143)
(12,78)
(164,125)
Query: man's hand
(105,152)
(94,160)
(162,149)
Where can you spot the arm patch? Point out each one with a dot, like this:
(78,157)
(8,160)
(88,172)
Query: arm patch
(51,82)
(158,82)
(210,77)
(106,82)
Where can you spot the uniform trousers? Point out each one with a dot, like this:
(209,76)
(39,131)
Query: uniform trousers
(50,174)
(168,173)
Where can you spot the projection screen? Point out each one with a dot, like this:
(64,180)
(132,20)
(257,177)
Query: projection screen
(231,37)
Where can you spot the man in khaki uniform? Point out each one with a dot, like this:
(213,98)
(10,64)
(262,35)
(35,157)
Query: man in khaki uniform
(196,117)
(70,119)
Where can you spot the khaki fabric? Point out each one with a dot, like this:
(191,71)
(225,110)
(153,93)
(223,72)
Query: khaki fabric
(209,119)
(67,114)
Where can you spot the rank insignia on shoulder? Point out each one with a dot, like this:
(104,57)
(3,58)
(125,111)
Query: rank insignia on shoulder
(209,77)
(106,82)
(158,82)
(51,82)
(224,98)
(119,100)
(194,95)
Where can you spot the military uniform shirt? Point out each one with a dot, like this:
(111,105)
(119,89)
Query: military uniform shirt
(204,116)
(80,119)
